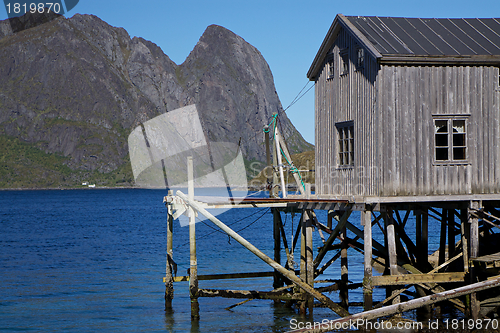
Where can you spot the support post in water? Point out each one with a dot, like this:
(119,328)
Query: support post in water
(303,256)
(474,252)
(391,249)
(278,282)
(169,281)
(193,267)
(367,280)
(309,259)
(344,275)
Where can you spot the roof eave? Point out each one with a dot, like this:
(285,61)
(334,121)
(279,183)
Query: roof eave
(339,22)
(493,60)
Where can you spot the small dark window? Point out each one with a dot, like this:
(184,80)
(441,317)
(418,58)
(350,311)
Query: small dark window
(450,140)
(330,66)
(344,60)
(361,58)
(345,133)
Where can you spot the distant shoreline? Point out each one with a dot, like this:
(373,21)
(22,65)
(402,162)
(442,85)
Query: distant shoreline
(72,188)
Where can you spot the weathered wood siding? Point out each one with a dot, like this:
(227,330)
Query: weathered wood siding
(407,99)
(392,108)
(346,97)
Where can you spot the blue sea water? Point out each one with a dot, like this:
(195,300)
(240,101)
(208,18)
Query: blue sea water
(93,260)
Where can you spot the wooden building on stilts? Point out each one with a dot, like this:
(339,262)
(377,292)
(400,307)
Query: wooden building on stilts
(407,115)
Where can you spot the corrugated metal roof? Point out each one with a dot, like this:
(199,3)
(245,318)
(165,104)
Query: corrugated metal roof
(430,37)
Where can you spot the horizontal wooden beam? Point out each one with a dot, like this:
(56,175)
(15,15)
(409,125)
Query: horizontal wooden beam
(392,280)
(225,276)
(248,294)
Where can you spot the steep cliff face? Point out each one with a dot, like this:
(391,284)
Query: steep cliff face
(73,89)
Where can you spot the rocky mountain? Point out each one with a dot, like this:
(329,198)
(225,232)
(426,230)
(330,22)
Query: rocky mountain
(71,91)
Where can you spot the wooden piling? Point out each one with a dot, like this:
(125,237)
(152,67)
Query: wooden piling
(193,267)
(424,246)
(367,280)
(474,253)
(391,248)
(344,271)
(442,237)
(464,233)
(303,257)
(278,282)
(169,281)
(451,233)
(309,260)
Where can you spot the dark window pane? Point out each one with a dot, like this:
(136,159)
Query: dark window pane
(459,153)
(441,126)
(441,154)
(458,139)
(341,146)
(341,134)
(441,140)
(458,126)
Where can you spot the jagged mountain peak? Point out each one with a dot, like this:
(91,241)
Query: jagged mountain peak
(77,87)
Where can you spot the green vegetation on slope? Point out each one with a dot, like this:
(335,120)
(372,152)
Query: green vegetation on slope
(24,166)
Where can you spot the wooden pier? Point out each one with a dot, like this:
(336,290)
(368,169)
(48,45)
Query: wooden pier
(461,223)
(457,273)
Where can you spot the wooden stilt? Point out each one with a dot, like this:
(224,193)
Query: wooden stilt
(169,281)
(391,248)
(278,282)
(303,257)
(193,267)
(451,233)
(422,258)
(309,260)
(329,222)
(464,231)
(306,266)
(442,239)
(344,276)
(367,280)
(418,239)
(474,252)
(425,236)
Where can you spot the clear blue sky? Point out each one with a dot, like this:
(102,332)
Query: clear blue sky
(287,33)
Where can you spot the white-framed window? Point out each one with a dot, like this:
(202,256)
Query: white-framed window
(450,139)
(360,62)
(330,65)
(344,61)
(345,135)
